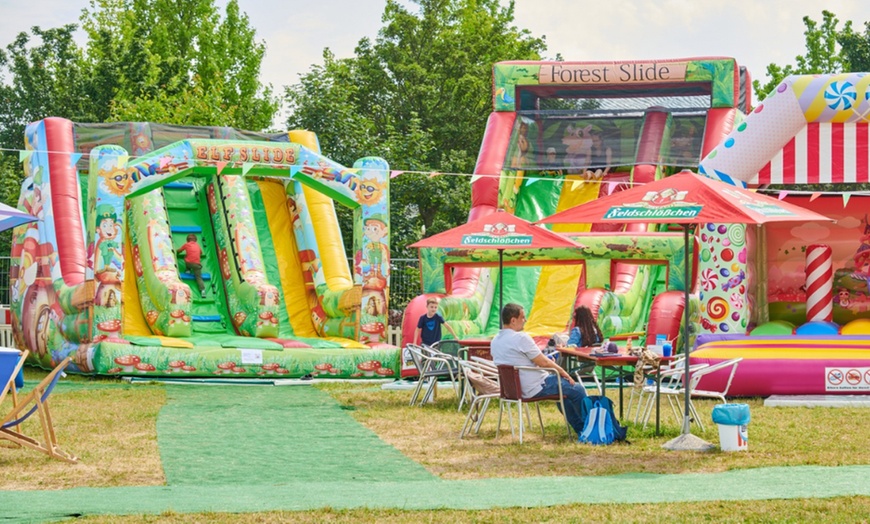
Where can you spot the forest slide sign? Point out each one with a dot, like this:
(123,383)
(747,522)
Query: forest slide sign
(613,72)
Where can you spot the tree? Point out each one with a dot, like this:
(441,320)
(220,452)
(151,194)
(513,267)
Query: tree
(825,53)
(178,62)
(419,96)
(855,47)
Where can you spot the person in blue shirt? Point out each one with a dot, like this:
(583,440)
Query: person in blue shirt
(429,325)
(585,332)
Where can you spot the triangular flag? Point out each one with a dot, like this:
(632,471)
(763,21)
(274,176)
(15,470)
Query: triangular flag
(611,186)
(354,170)
(475,178)
(576,183)
(220,166)
(122,160)
(247,167)
(815,196)
(24,155)
(294,170)
(394,174)
(846,197)
(74,159)
(782,194)
(433,174)
(531,180)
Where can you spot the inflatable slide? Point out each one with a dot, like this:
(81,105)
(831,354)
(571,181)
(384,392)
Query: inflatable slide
(99,276)
(563,134)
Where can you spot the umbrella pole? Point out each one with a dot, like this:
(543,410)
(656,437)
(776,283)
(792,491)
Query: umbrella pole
(500,286)
(686,441)
(688,395)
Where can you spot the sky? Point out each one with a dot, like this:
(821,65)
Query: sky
(754,32)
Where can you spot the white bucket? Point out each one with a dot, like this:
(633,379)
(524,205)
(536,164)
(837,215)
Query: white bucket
(733,438)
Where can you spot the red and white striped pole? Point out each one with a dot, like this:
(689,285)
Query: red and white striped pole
(819,283)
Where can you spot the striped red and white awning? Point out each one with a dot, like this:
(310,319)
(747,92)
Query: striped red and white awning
(821,153)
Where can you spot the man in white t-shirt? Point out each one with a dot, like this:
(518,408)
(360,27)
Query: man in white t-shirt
(514,347)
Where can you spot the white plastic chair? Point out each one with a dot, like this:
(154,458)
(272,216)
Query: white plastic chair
(710,393)
(672,387)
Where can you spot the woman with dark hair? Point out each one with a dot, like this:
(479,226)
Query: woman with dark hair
(585,332)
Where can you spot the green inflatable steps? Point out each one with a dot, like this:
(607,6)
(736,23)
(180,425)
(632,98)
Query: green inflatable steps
(187,211)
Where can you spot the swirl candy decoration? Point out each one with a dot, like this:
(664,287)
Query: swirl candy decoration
(819,283)
(717,308)
(840,95)
(709,279)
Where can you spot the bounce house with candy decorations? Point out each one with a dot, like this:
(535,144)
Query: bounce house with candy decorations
(808,309)
(563,134)
(98,276)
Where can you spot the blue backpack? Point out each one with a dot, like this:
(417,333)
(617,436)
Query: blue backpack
(601,425)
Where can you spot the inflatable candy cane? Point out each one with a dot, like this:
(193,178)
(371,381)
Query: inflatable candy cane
(819,283)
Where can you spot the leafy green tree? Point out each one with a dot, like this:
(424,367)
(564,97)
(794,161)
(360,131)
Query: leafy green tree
(824,54)
(855,47)
(419,96)
(178,62)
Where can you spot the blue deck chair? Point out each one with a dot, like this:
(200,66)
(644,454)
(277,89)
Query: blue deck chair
(36,402)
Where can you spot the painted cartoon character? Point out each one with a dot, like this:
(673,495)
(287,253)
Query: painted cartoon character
(118,181)
(844,297)
(578,145)
(107,250)
(862,255)
(376,252)
(370,190)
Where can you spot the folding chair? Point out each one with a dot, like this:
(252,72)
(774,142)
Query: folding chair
(511,392)
(37,402)
(481,384)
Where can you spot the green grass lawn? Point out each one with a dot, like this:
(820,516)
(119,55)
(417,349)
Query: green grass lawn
(111,425)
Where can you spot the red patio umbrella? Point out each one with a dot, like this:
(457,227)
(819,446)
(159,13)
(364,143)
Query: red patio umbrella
(685,199)
(499,230)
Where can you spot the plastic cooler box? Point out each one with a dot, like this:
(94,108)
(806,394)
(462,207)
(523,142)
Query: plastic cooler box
(732,420)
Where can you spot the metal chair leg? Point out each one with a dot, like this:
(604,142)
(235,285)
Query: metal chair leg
(540,419)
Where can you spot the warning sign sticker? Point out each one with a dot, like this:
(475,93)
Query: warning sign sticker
(847,379)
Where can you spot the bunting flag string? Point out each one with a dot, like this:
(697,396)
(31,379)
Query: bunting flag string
(124,159)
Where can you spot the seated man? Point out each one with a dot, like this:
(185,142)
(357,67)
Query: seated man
(513,347)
